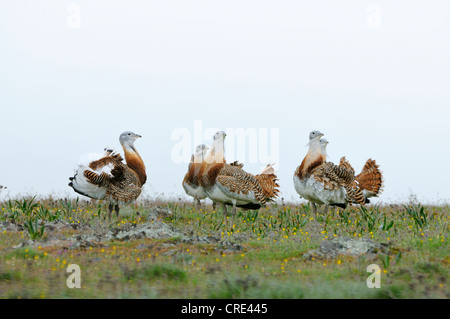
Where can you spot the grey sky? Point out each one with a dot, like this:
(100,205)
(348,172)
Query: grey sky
(157,66)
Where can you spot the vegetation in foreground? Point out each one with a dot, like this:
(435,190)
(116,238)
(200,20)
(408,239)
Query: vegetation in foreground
(266,262)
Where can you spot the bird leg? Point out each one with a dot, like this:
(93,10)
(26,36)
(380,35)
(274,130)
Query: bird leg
(214,205)
(224,209)
(313,208)
(233,212)
(117,208)
(199,205)
(110,209)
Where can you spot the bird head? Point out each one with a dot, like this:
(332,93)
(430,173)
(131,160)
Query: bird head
(315,135)
(201,148)
(128,137)
(323,142)
(200,153)
(219,135)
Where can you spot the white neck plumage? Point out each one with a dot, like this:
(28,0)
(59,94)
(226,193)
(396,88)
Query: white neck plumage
(315,148)
(314,154)
(217,152)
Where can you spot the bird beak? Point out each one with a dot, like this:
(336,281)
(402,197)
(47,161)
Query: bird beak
(138,136)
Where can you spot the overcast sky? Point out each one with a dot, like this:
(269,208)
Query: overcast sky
(374,76)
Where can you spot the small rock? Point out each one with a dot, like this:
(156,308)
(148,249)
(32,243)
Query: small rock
(161,211)
(334,247)
(11,226)
(26,243)
(56,225)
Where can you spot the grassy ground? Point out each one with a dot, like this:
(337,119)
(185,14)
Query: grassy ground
(266,261)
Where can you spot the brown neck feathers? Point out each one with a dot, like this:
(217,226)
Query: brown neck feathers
(135,162)
(308,164)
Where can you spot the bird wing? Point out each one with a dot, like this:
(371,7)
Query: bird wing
(95,172)
(331,175)
(352,187)
(349,172)
(335,176)
(234,180)
(233,186)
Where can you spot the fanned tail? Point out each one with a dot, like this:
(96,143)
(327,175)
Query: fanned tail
(371,179)
(268,181)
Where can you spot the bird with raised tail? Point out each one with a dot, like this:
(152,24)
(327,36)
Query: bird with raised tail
(191,182)
(231,185)
(106,176)
(322,182)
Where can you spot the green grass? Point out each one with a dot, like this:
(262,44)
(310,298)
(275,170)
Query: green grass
(266,262)
(24,253)
(9,275)
(156,271)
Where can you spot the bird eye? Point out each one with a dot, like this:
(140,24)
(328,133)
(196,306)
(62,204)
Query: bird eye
(129,133)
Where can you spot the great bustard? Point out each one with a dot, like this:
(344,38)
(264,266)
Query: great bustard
(192,181)
(105,176)
(322,182)
(230,184)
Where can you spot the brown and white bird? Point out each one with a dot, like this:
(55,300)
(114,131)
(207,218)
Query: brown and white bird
(322,182)
(106,176)
(192,181)
(231,185)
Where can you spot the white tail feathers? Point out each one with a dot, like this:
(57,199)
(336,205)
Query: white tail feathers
(81,184)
